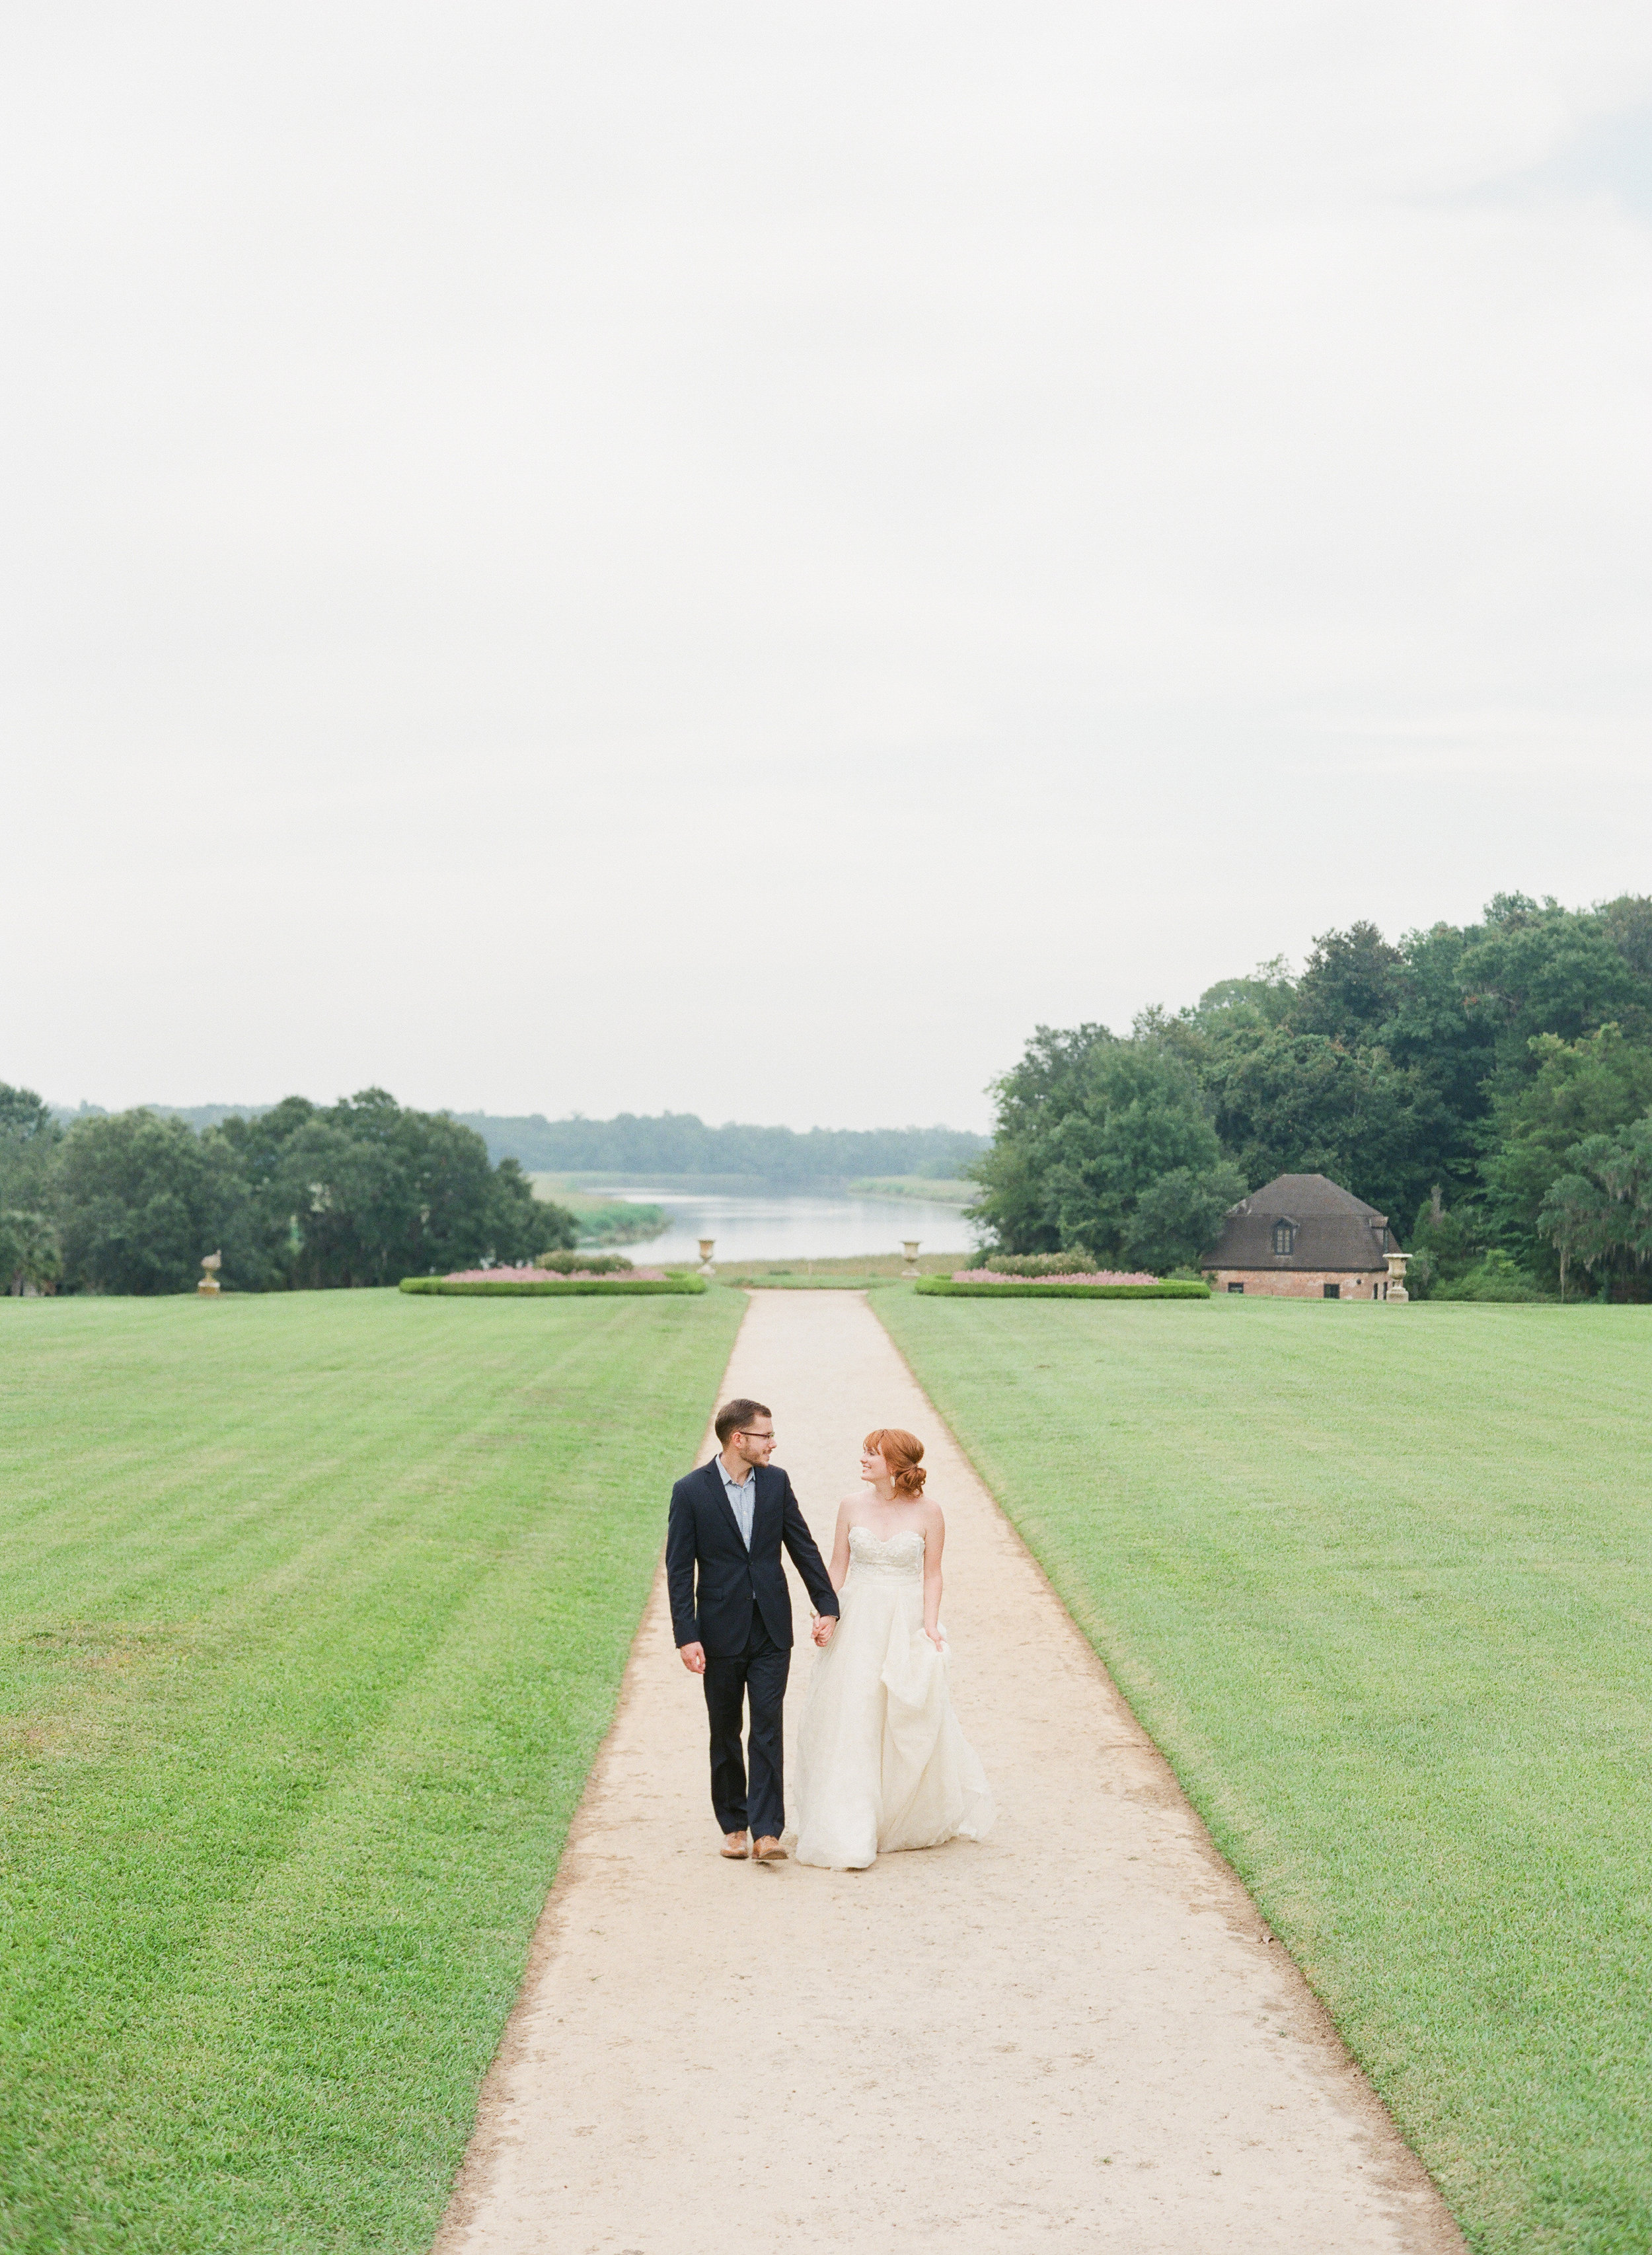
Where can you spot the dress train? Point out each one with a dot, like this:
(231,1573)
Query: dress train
(882,1762)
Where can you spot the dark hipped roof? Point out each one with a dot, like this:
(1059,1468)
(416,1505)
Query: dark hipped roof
(1334,1229)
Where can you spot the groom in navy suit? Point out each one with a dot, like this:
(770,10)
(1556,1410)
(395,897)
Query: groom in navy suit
(731,1614)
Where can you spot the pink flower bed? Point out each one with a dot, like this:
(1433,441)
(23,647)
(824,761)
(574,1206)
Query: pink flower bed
(1084,1276)
(554,1276)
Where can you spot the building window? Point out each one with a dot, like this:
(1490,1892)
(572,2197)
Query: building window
(1235,1288)
(1284,1237)
(1334,1291)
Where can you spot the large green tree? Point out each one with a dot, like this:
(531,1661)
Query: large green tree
(1575,1090)
(1431,1034)
(1532,970)
(1369,1069)
(1457,1064)
(1598,1215)
(29,1254)
(1087,1127)
(1350,989)
(1303,1104)
(31,1257)
(363,1191)
(366,1192)
(141,1201)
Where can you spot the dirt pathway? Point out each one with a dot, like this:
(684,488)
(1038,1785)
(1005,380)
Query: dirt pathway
(1075,2027)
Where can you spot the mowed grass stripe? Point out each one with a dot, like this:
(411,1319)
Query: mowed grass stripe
(1378,1581)
(317,1606)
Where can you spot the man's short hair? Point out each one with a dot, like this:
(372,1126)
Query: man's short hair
(733,1416)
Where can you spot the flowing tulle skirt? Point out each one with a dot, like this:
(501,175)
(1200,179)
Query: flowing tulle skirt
(881,1761)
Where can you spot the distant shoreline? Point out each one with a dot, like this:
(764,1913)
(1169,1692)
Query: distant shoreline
(908,1187)
(602,1221)
(573,1182)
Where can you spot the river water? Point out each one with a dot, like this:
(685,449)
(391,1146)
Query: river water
(778,1227)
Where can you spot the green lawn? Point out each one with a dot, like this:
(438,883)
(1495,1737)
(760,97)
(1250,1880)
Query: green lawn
(1378,1581)
(316,1609)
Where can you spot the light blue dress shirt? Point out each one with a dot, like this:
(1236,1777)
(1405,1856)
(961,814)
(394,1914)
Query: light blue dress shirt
(742,1494)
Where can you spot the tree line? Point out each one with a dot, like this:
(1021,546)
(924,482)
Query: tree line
(681,1143)
(300,1197)
(1488,1086)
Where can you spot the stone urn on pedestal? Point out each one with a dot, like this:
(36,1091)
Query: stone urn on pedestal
(908,1246)
(1394,1288)
(707,1245)
(209,1287)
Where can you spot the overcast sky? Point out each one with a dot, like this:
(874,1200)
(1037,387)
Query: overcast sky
(737,559)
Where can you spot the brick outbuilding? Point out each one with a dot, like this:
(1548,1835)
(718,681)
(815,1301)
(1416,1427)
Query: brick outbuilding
(1304,1237)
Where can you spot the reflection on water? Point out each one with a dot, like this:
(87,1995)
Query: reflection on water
(779,1227)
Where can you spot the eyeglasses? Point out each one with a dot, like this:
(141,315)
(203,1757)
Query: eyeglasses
(746,1434)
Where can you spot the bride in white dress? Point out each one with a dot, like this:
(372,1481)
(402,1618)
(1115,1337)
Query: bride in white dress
(882,1762)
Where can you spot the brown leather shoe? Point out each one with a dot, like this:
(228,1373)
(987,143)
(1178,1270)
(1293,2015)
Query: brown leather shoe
(767,1852)
(734,1847)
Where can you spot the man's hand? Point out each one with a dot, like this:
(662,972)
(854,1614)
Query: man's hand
(824,1624)
(693,1657)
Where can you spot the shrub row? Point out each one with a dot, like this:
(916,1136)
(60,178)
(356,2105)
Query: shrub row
(514,1288)
(593,1264)
(1074,1261)
(942,1288)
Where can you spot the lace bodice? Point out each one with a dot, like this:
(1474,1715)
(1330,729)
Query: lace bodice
(899,1555)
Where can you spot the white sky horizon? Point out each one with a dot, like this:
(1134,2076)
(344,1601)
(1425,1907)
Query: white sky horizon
(560,559)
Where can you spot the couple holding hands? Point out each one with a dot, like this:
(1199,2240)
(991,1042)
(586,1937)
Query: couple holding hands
(882,1762)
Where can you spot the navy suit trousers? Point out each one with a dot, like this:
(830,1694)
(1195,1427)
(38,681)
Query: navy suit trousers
(757,1674)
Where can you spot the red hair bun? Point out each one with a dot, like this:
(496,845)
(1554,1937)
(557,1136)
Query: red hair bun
(902,1451)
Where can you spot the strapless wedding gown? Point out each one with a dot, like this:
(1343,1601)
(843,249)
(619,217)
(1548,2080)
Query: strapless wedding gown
(881,1761)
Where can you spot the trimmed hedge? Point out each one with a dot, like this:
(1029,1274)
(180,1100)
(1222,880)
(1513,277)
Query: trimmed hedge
(1076,1260)
(942,1288)
(553,1287)
(562,1263)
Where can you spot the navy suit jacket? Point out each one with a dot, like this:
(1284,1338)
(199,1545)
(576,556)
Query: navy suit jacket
(713,1580)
